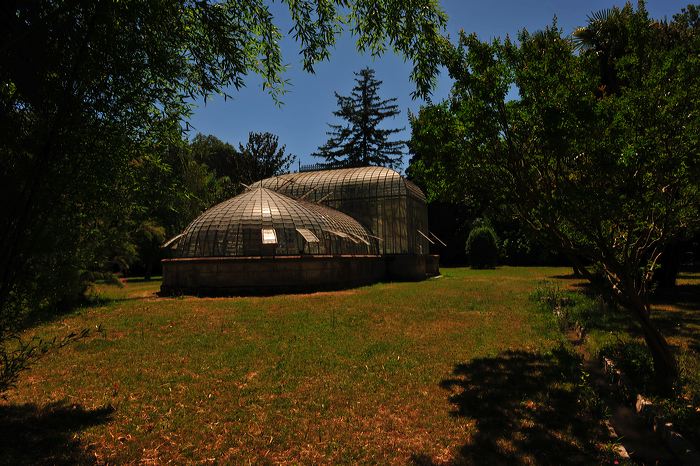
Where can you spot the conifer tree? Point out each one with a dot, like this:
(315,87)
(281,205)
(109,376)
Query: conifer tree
(361,142)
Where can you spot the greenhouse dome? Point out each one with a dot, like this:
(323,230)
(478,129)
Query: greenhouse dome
(261,222)
(264,242)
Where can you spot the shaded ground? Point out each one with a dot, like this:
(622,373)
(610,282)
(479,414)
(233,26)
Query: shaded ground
(640,442)
(679,312)
(527,408)
(47,434)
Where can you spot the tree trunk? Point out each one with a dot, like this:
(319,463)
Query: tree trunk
(665,367)
(669,266)
(579,270)
(149,270)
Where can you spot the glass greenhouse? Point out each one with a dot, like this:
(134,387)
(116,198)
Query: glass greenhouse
(305,231)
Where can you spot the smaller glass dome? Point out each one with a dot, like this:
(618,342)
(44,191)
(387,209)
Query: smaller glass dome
(262,222)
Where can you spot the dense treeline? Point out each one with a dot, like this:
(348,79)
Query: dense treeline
(459,200)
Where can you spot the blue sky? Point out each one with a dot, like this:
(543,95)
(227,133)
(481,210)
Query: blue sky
(301,122)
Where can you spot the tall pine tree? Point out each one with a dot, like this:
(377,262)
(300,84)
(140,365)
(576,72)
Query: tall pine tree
(361,142)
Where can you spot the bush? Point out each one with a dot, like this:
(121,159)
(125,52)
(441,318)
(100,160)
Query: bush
(482,248)
(633,358)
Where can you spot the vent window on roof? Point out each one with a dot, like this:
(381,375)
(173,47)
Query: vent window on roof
(269,236)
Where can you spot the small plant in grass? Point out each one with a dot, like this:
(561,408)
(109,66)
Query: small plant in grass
(572,371)
(684,416)
(689,364)
(588,398)
(551,295)
(17,354)
(556,301)
(482,248)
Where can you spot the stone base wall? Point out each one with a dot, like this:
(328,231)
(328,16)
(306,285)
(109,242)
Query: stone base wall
(406,267)
(289,274)
(432,265)
(255,275)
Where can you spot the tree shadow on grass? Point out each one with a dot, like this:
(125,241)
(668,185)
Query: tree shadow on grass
(47,435)
(528,408)
(685,296)
(61,310)
(568,276)
(683,320)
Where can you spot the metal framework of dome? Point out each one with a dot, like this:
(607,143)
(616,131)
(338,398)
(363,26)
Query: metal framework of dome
(261,222)
(393,208)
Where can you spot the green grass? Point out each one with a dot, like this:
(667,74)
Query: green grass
(460,368)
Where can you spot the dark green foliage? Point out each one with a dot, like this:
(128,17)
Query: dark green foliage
(482,248)
(262,157)
(437,148)
(93,96)
(149,237)
(633,358)
(362,142)
(221,159)
(233,169)
(437,154)
(598,159)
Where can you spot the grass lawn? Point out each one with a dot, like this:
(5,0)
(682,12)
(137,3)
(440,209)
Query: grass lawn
(464,368)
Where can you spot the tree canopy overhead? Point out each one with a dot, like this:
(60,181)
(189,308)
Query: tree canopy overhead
(599,153)
(92,98)
(362,142)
